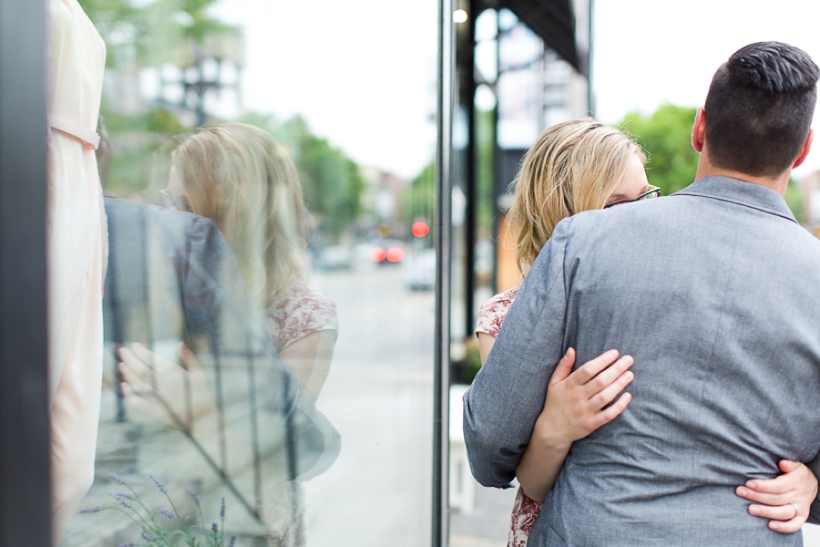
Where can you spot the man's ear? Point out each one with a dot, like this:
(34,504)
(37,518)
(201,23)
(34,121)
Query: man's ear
(699,130)
(805,151)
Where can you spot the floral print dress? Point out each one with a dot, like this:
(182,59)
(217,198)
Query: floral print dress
(301,312)
(490,318)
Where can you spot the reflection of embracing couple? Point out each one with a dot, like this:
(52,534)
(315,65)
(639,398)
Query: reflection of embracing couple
(712,299)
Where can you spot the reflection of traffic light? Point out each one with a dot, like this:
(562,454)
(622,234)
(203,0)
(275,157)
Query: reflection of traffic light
(420,228)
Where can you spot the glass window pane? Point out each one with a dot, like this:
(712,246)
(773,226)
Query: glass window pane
(269,189)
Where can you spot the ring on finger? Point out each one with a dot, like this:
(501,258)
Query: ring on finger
(796,509)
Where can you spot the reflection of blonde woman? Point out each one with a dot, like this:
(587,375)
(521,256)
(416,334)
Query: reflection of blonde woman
(241,178)
(578,166)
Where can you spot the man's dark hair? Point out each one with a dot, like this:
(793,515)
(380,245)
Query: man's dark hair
(759,108)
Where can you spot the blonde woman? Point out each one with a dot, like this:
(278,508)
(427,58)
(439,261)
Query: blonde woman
(240,177)
(573,167)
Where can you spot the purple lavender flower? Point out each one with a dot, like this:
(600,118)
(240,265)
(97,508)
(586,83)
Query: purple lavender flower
(233,540)
(127,495)
(116,478)
(129,544)
(146,537)
(222,511)
(122,501)
(159,484)
(168,513)
(194,495)
(215,528)
(90,510)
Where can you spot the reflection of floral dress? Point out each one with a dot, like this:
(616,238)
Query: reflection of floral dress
(525,510)
(300,313)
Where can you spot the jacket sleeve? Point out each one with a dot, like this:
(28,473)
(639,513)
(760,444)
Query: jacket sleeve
(814,510)
(220,308)
(507,395)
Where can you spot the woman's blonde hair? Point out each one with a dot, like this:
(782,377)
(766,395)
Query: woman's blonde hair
(240,177)
(573,166)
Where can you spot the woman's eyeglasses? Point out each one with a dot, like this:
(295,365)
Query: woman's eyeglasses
(172,202)
(653,192)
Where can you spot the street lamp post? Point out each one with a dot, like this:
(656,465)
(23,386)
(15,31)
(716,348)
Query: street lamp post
(202,70)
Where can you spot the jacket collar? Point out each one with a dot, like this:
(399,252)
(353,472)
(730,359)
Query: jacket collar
(740,192)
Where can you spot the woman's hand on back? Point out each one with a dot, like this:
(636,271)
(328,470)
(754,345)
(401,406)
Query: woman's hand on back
(574,408)
(784,500)
(576,403)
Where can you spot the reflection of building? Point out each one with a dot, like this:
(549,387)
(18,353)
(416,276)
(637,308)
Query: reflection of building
(382,198)
(523,64)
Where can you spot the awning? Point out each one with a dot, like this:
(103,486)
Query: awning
(553,21)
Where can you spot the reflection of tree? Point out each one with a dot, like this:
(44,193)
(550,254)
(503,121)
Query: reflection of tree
(331,181)
(420,198)
(139,35)
(160,32)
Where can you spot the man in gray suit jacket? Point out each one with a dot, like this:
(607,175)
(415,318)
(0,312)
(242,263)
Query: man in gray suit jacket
(715,292)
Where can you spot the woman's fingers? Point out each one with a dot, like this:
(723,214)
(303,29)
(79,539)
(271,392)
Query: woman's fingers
(782,518)
(564,368)
(610,413)
(606,395)
(763,497)
(591,369)
(788,466)
(609,376)
(788,482)
(774,512)
(145,355)
(788,526)
(138,367)
(134,383)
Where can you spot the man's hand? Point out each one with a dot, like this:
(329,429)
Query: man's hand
(784,500)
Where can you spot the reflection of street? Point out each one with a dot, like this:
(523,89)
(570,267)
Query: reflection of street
(379,396)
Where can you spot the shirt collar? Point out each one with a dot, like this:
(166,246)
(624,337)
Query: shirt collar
(740,192)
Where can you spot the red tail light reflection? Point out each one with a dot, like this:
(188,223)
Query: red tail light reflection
(377,254)
(395,254)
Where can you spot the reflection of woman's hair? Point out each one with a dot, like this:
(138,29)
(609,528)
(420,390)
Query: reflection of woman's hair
(572,167)
(241,178)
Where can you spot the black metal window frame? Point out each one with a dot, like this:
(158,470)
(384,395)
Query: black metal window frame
(443,240)
(25,504)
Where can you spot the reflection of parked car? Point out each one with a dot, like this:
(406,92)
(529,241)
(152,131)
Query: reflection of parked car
(386,251)
(423,270)
(333,257)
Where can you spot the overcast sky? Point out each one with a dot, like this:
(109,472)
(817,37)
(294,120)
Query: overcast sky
(362,72)
(651,51)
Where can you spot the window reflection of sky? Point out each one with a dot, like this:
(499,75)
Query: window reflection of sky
(362,73)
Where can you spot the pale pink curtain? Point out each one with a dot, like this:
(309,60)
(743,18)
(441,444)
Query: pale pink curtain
(77,249)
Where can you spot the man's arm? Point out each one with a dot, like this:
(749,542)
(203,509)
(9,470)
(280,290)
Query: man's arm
(507,395)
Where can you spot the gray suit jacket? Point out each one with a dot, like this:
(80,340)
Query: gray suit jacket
(715,291)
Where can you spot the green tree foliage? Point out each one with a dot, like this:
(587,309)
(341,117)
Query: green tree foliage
(665,136)
(420,198)
(794,199)
(485,171)
(331,181)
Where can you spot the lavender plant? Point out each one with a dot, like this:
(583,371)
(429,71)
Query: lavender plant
(153,530)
